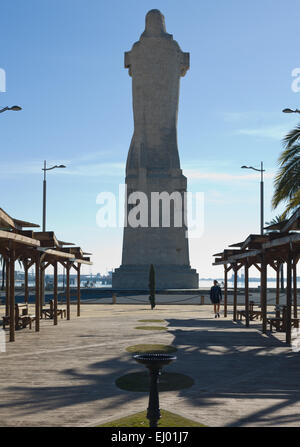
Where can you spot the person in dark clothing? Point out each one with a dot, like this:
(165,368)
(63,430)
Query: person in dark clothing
(216,297)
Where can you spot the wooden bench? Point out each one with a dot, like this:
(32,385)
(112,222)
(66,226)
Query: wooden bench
(253,314)
(279,322)
(48,312)
(22,317)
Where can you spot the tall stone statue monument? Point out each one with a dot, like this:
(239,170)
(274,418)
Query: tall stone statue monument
(156,64)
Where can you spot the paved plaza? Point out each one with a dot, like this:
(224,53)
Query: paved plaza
(65,375)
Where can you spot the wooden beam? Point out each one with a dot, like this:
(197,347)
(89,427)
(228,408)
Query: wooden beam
(239,257)
(83,261)
(274,265)
(46,238)
(289,224)
(6,220)
(281,241)
(244,255)
(56,253)
(257,266)
(229,268)
(45,265)
(18,239)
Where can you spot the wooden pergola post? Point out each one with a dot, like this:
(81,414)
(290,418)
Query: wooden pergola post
(295,304)
(278,283)
(247,292)
(276,265)
(225,289)
(235,270)
(68,266)
(77,268)
(12,323)
(78,289)
(263,286)
(41,285)
(26,292)
(288,334)
(7,273)
(37,293)
(55,293)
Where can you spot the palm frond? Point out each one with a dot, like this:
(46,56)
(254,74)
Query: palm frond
(287,184)
(277,219)
(292,137)
(292,204)
(288,154)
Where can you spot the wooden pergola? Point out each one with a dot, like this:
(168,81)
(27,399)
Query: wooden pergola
(41,249)
(271,249)
(13,245)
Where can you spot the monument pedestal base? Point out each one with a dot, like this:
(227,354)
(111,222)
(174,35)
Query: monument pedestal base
(136,277)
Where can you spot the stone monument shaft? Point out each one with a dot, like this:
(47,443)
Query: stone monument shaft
(156,64)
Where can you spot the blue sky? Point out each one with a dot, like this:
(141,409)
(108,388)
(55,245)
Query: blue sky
(64,65)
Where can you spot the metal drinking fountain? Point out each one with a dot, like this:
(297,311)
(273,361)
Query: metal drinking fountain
(155,363)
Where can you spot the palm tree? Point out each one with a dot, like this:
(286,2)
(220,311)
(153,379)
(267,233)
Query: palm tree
(274,221)
(287,180)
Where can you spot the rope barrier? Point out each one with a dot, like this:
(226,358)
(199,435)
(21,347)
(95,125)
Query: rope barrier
(168,302)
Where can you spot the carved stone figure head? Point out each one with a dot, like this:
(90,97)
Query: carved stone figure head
(155,24)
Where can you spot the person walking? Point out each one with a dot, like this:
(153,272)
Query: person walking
(216,298)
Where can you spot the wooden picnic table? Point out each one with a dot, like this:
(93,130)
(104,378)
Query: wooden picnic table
(48,312)
(22,317)
(279,321)
(253,314)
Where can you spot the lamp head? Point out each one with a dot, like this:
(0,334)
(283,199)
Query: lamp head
(15,108)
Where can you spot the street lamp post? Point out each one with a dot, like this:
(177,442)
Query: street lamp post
(291,111)
(261,170)
(45,169)
(14,108)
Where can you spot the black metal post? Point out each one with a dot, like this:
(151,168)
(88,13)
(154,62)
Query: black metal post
(154,362)
(261,198)
(153,412)
(44,197)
